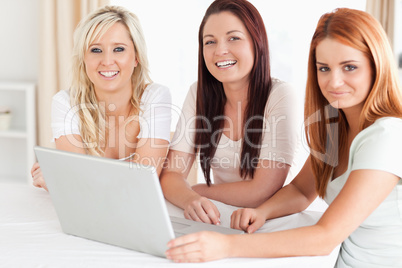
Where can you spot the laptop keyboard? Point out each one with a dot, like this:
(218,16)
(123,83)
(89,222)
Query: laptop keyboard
(177,234)
(179,226)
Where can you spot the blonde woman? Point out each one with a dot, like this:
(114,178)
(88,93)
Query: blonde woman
(112,109)
(353,113)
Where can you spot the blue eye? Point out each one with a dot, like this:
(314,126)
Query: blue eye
(350,67)
(234,38)
(96,50)
(209,43)
(323,69)
(119,49)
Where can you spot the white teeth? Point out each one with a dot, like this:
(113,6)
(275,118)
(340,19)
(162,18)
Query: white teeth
(225,63)
(108,74)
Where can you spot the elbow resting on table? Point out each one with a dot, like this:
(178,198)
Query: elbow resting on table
(325,250)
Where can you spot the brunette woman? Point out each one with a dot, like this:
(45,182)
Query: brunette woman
(241,122)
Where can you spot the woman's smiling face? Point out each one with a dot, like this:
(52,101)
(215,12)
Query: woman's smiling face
(111,59)
(345,75)
(228,48)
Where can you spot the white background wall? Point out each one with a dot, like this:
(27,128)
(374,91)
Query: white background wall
(19,40)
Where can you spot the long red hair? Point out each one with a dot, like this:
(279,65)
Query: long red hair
(326,127)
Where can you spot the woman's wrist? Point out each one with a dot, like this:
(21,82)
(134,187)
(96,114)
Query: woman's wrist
(199,188)
(263,212)
(190,197)
(231,241)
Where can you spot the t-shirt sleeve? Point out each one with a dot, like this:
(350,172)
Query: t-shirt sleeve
(155,119)
(379,147)
(183,139)
(64,119)
(283,124)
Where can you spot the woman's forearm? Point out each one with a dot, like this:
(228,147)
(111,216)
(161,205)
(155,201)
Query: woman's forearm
(288,200)
(294,197)
(176,190)
(305,241)
(248,193)
(240,194)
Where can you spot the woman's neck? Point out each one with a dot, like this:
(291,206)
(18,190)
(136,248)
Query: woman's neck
(236,96)
(353,119)
(116,103)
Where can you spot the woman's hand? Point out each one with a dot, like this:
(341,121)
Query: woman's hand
(247,219)
(203,210)
(199,247)
(37,177)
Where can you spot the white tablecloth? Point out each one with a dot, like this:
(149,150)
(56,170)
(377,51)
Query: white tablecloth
(31,236)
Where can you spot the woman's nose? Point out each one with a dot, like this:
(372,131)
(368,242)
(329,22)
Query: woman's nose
(336,79)
(221,48)
(108,58)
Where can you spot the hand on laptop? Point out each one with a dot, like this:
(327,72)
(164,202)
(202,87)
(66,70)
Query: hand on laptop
(203,210)
(196,247)
(37,177)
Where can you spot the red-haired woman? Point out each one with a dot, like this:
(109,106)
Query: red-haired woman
(242,123)
(353,112)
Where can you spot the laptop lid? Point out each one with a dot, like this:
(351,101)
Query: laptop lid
(111,201)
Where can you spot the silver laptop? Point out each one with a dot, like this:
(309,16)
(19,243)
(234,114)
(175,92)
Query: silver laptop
(112,201)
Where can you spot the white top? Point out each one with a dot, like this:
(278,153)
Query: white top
(281,137)
(377,242)
(155,115)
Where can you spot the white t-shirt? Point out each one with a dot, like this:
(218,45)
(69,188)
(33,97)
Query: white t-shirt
(377,242)
(155,115)
(281,137)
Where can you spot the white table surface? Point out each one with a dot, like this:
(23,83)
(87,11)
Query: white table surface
(31,236)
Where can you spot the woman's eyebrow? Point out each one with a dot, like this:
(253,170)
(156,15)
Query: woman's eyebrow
(235,31)
(342,62)
(227,33)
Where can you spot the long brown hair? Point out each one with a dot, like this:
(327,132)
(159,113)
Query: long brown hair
(328,137)
(211,98)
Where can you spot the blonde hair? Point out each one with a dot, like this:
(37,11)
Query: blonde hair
(82,94)
(328,137)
